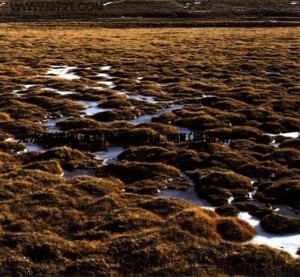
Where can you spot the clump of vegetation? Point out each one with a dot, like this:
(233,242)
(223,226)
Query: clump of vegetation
(233,229)
(51,166)
(227,180)
(115,103)
(22,127)
(77,124)
(144,153)
(130,172)
(287,157)
(11,146)
(197,223)
(283,192)
(227,210)
(69,158)
(7,162)
(278,224)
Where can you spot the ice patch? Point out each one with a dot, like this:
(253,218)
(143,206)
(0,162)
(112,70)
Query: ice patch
(275,144)
(29,86)
(91,107)
(62,72)
(32,147)
(15,91)
(230,200)
(105,75)
(139,97)
(208,95)
(288,243)
(107,67)
(287,135)
(109,156)
(139,79)
(146,118)
(61,92)
(51,124)
(188,195)
(109,84)
(253,180)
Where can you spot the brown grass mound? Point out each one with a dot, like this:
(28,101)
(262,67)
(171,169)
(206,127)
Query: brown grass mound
(152,187)
(132,221)
(22,127)
(11,146)
(77,124)
(115,103)
(227,180)
(134,171)
(233,229)
(51,166)
(227,210)
(7,162)
(97,187)
(33,176)
(291,143)
(124,114)
(198,123)
(69,158)
(164,207)
(20,110)
(4,117)
(285,192)
(199,223)
(278,224)
(286,157)
(144,153)
(264,169)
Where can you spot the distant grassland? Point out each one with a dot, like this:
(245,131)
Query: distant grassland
(187,51)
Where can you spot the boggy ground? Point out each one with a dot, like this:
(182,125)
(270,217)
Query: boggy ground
(237,84)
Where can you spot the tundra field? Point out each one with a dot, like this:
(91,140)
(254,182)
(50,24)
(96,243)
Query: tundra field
(120,115)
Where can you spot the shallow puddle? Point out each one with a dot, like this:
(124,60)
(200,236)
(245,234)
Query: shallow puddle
(51,124)
(140,97)
(62,71)
(287,135)
(188,195)
(147,118)
(105,75)
(109,84)
(32,147)
(61,92)
(109,156)
(105,68)
(91,107)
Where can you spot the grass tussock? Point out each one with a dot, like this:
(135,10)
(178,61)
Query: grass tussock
(235,230)
(278,224)
(135,171)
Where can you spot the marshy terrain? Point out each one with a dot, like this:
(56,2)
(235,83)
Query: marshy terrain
(119,115)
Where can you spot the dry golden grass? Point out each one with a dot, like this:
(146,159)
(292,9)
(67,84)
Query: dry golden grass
(108,225)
